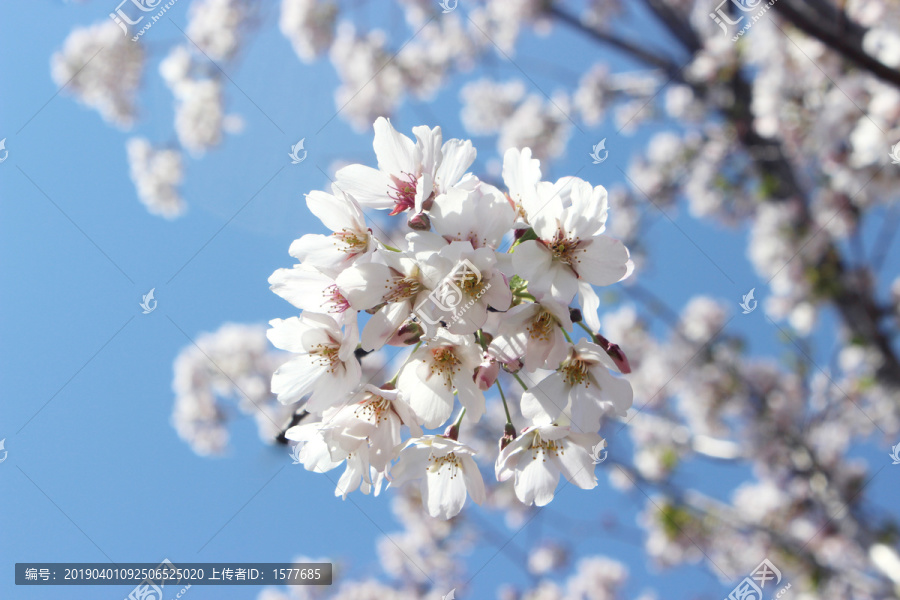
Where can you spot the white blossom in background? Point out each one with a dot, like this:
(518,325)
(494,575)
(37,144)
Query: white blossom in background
(227,371)
(521,120)
(157,175)
(199,109)
(469,288)
(371,84)
(309,25)
(102,68)
(214,26)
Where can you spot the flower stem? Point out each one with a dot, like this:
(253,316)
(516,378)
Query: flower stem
(586,328)
(519,379)
(503,397)
(565,333)
(462,413)
(479,335)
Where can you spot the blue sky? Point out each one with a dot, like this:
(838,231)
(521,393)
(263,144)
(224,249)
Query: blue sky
(95,470)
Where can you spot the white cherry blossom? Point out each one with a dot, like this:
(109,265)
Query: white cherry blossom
(325,366)
(581,390)
(537,457)
(440,367)
(408,172)
(569,218)
(446,471)
(533,331)
(350,241)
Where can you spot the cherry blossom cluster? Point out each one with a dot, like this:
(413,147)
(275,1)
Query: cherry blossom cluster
(483,282)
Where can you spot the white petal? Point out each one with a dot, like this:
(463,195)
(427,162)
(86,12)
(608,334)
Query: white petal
(369,186)
(470,397)
(509,457)
(544,402)
(443,495)
(520,173)
(295,378)
(474,481)
(287,334)
(428,144)
(533,262)
(383,324)
(336,212)
(305,288)
(458,156)
(411,465)
(590,304)
(615,390)
(536,482)
(575,461)
(396,153)
(364,285)
(603,261)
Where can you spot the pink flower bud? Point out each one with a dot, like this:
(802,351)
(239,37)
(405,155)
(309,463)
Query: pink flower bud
(509,434)
(408,333)
(486,374)
(615,353)
(419,222)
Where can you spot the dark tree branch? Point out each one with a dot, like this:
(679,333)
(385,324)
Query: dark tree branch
(839,33)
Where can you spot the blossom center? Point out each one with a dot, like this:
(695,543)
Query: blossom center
(444,363)
(354,242)
(448,460)
(403,193)
(541,326)
(327,356)
(374,409)
(575,372)
(564,248)
(545,447)
(334,300)
(404,288)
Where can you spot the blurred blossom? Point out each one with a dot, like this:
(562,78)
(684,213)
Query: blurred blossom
(228,369)
(102,69)
(309,25)
(157,175)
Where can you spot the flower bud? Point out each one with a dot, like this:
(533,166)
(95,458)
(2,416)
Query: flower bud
(509,434)
(452,432)
(409,333)
(614,352)
(486,373)
(419,222)
(575,314)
